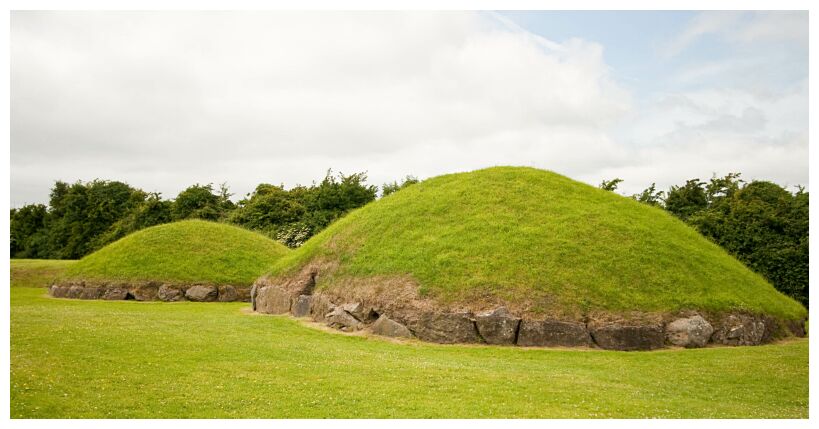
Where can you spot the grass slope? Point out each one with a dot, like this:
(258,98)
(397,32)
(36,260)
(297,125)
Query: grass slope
(37,272)
(186,251)
(161,360)
(517,232)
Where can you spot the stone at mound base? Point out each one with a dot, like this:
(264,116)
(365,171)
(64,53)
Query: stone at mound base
(553,333)
(389,328)
(497,326)
(797,327)
(360,311)
(144,292)
(740,330)
(228,294)
(272,300)
(445,328)
(74,292)
(301,306)
(689,332)
(170,293)
(201,293)
(320,306)
(616,336)
(91,293)
(115,293)
(341,319)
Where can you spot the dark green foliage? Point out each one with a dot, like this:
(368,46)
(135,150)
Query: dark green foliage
(152,211)
(610,185)
(26,224)
(266,207)
(201,202)
(650,196)
(294,216)
(764,226)
(683,201)
(82,211)
(389,188)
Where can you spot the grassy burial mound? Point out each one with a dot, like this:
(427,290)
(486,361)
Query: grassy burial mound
(524,256)
(193,259)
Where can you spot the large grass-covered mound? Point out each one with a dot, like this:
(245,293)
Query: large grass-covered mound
(184,252)
(535,240)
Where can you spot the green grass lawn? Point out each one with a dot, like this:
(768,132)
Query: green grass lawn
(521,234)
(97,359)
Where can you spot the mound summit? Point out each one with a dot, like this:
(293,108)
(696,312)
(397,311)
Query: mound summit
(193,259)
(512,255)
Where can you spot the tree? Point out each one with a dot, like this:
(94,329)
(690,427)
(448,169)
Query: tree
(153,211)
(24,225)
(267,208)
(650,196)
(292,216)
(683,201)
(389,188)
(610,185)
(82,211)
(200,201)
(764,226)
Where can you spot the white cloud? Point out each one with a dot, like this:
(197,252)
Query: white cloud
(678,136)
(742,27)
(163,100)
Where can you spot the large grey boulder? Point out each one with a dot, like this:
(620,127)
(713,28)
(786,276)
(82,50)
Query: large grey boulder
(301,306)
(553,333)
(497,326)
(228,293)
(59,291)
(690,332)
(74,292)
(320,307)
(272,300)
(201,293)
(445,328)
(243,294)
(170,293)
(340,319)
(146,292)
(740,330)
(91,293)
(390,328)
(254,292)
(115,293)
(618,336)
(360,311)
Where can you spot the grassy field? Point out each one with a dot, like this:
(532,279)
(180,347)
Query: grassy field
(37,272)
(514,233)
(72,358)
(186,251)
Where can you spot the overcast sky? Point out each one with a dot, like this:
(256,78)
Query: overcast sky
(162,100)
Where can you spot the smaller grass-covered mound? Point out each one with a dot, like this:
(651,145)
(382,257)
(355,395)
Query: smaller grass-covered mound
(191,251)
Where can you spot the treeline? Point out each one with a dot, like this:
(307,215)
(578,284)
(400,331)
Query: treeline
(761,223)
(83,217)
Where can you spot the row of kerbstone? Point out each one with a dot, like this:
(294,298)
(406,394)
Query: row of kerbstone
(150,291)
(500,327)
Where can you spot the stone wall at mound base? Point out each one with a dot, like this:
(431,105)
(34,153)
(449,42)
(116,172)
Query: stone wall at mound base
(150,291)
(684,329)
